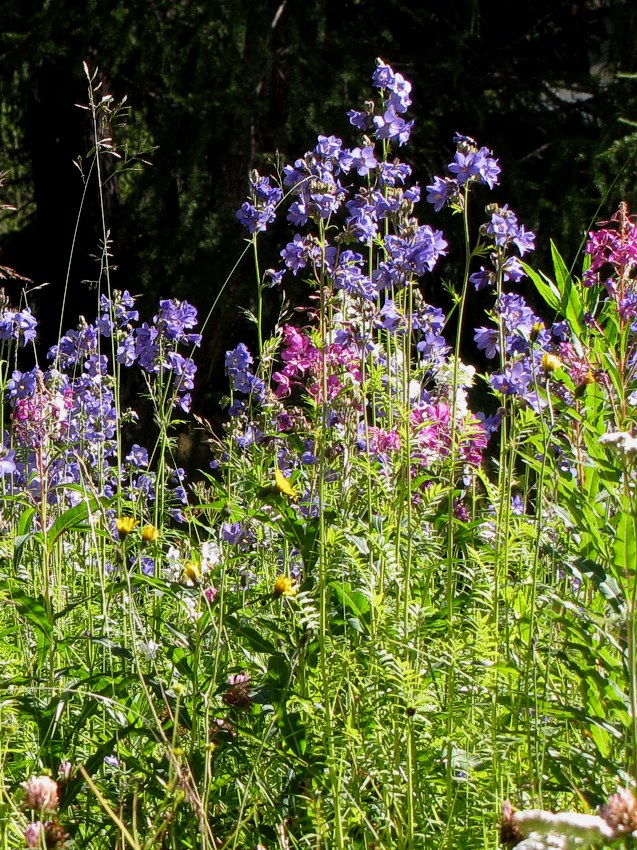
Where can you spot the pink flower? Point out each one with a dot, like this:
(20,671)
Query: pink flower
(41,794)
(33,833)
(211,594)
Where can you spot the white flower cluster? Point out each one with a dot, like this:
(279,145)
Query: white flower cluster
(622,441)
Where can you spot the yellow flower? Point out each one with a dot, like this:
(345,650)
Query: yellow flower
(150,534)
(550,362)
(125,524)
(284,586)
(537,328)
(283,484)
(192,572)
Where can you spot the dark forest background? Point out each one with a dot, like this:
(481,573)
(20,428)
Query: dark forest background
(217,87)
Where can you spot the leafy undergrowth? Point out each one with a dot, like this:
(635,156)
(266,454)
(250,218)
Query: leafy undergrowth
(383,612)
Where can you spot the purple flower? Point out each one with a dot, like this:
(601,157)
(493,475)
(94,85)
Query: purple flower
(126,352)
(504,230)
(22,384)
(249,436)
(514,380)
(7,462)
(348,276)
(383,76)
(183,368)
(440,192)
(237,534)
(471,163)
(137,456)
(561,330)
(147,566)
(393,172)
(146,347)
(486,340)
(399,97)
(174,318)
(18,325)
(238,359)
(390,318)
(489,168)
(96,364)
(428,246)
(358,119)
(519,320)
(328,146)
(390,126)
(260,210)
(363,160)
(433,348)
(296,254)
(512,270)
(362,221)
(465,165)
(482,279)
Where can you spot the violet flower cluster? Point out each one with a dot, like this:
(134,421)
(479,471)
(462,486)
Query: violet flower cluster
(517,338)
(65,419)
(359,244)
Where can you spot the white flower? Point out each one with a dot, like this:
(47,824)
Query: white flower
(148,649)
(623,441)
(210,556)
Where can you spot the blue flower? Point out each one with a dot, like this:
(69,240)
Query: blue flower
(22,384)
(390,126)
(383,76)
(441,191)
(137,456)
(7,462)
(363,160)
(486,340)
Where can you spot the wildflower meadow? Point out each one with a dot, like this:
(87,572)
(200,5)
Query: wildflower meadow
(397,607)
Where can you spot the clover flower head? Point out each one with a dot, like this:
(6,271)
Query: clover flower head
(238,694)
(620,812)
(33,834)
(40,794)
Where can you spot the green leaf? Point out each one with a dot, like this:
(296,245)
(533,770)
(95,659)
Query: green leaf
(293,732)
(180,658)
(624,547)
(24,533)
(545,287)
(570,302)
(355,600)
(255,640)
(28,607)
(562,294)
(74,518)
